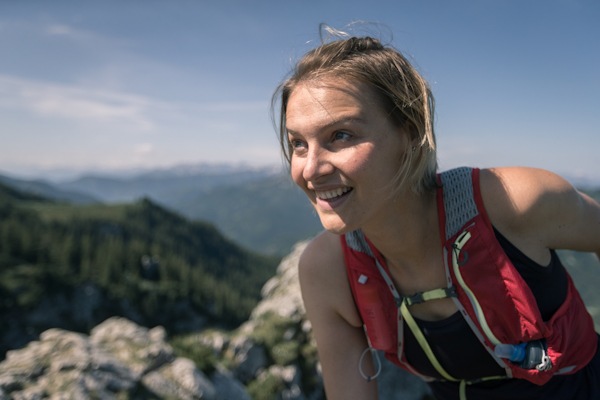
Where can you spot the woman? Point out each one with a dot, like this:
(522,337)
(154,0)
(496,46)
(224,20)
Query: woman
(356,126)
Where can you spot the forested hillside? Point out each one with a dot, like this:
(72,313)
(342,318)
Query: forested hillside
(72,266)
(269,215)
(259,209)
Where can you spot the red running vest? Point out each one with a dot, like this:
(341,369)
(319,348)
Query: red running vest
(491,295)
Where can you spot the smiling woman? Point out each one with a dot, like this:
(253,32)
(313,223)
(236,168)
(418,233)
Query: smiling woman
(443,272)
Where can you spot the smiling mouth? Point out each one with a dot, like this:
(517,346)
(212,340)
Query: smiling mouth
(329,195)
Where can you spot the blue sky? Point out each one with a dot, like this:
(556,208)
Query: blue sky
(142,84)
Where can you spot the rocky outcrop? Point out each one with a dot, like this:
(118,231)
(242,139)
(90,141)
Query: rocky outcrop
(117,360)
(271,356)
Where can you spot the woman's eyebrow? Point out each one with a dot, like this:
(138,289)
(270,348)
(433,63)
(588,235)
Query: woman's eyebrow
(344,120)
(332,123)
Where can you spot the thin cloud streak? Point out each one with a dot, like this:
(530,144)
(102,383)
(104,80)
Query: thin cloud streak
(76,103)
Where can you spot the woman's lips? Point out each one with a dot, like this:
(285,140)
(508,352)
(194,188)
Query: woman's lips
(330,199)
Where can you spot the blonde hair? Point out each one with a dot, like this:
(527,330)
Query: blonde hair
(403,92)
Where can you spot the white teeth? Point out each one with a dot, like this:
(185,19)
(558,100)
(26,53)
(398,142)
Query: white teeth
(330,194)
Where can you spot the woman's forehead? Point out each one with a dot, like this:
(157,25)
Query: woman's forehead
(326,102)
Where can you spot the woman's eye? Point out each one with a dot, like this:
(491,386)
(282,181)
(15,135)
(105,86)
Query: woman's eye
(341,135)
(297,145)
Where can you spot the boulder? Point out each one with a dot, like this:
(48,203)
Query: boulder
(119,359)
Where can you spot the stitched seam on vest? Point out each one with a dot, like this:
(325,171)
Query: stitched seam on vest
(459,199)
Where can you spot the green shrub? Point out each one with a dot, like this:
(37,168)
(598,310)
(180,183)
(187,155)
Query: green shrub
(271,329)
(189,346)
(265,387)
(285,353)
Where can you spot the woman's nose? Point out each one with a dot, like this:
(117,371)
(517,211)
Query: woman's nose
(318,163)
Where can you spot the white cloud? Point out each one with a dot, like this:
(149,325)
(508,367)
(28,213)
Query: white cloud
(59,29)
(94,105)
(143,148)
(142,151)
(76,103)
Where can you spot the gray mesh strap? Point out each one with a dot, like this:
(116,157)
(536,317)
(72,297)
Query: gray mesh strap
(459,200)
(357,242)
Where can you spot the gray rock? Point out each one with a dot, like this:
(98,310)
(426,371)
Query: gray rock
(396,384)
(142,349)
(291,376)
(180,380)
(118,360)
(227,387)
(281,294)
(251,359)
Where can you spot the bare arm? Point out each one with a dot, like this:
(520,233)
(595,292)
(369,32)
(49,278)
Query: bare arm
(335,322)
(539,210)
(594,210)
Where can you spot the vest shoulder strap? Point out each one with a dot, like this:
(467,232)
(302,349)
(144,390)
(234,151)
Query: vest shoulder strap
(459,198)
(356,241)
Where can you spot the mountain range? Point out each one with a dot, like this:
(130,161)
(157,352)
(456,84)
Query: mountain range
(258,208)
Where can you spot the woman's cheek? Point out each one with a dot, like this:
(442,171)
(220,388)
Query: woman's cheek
(296,172)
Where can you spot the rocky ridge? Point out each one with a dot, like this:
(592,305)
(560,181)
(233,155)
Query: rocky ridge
(271,356)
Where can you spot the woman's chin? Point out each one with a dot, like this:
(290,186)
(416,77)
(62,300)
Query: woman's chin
(337,227)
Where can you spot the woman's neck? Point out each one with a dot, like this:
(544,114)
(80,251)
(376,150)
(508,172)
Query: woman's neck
(409,232)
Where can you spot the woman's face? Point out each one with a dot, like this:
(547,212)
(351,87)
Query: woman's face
(345,152)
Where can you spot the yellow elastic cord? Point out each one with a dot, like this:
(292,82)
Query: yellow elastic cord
(412,324)
(462,390)
(457,247)
(434,294)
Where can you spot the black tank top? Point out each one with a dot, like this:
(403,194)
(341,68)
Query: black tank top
(463,356)
(548,284)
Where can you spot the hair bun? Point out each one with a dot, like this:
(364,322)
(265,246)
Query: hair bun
(366,43)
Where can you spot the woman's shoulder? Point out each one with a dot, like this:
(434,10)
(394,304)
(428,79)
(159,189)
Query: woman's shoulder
(534,208)
(523,178)
(537,203)
(323,249)
(323,278)
(523,192)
